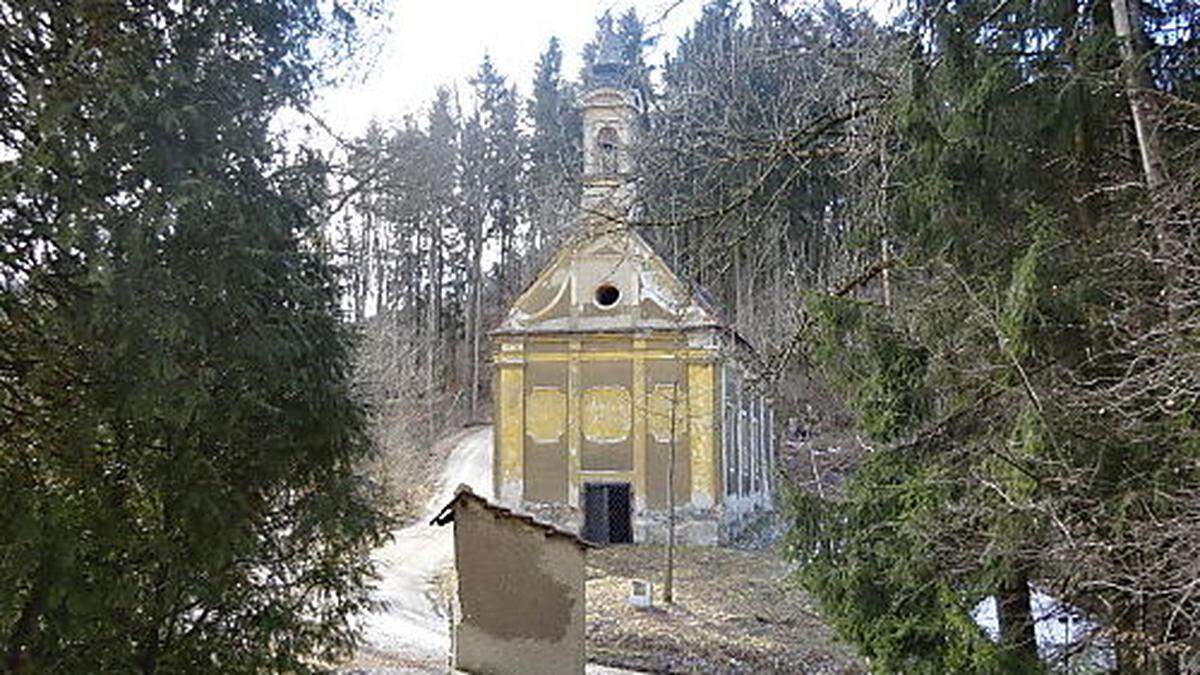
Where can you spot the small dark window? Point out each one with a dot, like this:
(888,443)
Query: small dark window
(607,513)
(607,295)
(606,145)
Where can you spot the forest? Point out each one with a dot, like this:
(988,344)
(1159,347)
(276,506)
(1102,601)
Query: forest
(970,230)
(973,227)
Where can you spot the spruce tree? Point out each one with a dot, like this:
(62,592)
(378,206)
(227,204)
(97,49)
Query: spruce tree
(1029,246)
(554,151)
(179,436)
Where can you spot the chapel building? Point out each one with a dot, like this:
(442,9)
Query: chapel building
(609,365)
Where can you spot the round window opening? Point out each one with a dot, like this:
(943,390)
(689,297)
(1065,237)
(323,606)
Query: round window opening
(607,295)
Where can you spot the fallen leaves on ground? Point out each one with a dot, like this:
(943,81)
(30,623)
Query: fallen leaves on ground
(734,612)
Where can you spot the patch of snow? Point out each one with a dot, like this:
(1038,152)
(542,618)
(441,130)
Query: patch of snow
(1068,640)
(409,625)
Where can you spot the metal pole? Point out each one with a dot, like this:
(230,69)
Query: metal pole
(1065,620)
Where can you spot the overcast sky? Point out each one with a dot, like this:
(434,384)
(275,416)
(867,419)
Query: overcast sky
(441,42)
(428,43)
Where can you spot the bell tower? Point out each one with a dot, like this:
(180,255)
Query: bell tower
(610,123)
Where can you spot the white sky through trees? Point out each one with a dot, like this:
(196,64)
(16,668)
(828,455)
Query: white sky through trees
(430,43)
(424,44)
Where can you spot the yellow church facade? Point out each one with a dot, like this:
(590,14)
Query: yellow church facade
(618,391)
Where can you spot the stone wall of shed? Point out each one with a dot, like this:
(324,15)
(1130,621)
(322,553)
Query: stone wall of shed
(520,596)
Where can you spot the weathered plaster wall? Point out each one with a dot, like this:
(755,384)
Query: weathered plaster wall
(611,113)
(604,350)
(606,410)
(563,297)
(595,407)
(617,110)
(546,451)
(702,430)
(520,596)
(508,455)
(666,399)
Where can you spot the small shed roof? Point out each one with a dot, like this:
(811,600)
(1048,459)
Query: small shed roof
(464,492)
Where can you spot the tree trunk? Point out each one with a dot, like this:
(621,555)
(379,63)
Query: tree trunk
(23,633)
(737,288)
(1143,105)
(886,256)
(1127,22)
(1014,610)
(476,310)
(669,583)
(432,337)
(378,255)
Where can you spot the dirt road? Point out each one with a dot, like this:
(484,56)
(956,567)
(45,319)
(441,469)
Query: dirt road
(411,634)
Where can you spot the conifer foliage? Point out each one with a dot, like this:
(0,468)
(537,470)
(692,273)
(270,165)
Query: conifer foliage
(179,440)
(1037,301)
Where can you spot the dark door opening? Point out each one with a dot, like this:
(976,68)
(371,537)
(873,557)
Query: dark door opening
(607,512)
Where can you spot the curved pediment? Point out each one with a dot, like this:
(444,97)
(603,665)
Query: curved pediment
(604,281)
